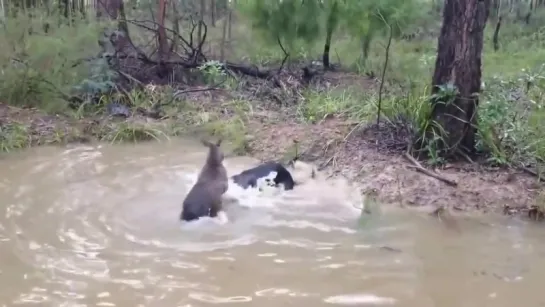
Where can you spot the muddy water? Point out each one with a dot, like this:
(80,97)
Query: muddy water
(98,226)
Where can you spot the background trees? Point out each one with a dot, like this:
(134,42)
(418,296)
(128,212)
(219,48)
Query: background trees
(51,48)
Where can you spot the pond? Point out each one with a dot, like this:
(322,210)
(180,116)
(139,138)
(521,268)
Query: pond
(98,226)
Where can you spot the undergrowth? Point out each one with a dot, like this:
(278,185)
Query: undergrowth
(39,70)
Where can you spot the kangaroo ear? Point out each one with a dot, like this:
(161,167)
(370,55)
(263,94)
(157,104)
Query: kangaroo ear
(206,143)
(218,143)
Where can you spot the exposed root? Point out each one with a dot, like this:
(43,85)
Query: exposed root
(533,173)
(419,168)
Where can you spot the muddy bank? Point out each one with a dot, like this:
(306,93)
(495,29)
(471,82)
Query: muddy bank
(329,145)
(332,144)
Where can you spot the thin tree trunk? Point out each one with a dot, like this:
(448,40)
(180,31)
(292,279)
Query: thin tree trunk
(162,42)
(495,38)
(3,7)
(366,45)
(229,22)
(223,39)
(213,12)
(201,18)
(331,25)
(82,8)
(458,62)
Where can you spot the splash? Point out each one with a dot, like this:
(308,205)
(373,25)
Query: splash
(336,194)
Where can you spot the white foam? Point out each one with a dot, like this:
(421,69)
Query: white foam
(262,195)
(336,193)
(360,299)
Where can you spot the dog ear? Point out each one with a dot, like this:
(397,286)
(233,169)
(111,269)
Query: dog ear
(291,162)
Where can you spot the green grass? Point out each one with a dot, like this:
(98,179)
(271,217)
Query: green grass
(14,136)
(510,118)
(37,70)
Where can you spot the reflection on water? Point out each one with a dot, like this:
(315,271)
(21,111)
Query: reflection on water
(98,226)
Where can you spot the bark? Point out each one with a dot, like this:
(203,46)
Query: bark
(331,24)
(162,41)
(213,12)
(114,10)
(201,18)
(458,62)
(223,39)
(495,38)
(229,22)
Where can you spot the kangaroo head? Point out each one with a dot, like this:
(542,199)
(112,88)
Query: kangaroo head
(215,154)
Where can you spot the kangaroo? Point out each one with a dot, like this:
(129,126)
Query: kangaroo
(204,198)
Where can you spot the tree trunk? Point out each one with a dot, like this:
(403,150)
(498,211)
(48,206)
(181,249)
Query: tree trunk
(162,42)
(229,22)
(366,45)
(458,62)
(115,10)
(496,38)
(332,21)
(223,39)
(213,12)
(108,9)
(201,19)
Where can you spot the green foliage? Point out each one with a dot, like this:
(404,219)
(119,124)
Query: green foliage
(99,82)
(36,67)
(13,136)
(290,21)
(302,21)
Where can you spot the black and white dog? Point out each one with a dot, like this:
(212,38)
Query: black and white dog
(275,174)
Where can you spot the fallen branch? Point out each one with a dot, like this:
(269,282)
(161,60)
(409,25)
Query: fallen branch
(419,168)
(533,173)
(191,90)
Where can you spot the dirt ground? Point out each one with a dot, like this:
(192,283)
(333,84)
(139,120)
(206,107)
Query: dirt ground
(339,147)
(392,175)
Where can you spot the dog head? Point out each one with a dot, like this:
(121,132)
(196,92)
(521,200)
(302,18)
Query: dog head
(301,171)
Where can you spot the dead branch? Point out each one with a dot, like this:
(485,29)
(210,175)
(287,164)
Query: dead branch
(198,52)
(533,173)
(419,168)
(286,54)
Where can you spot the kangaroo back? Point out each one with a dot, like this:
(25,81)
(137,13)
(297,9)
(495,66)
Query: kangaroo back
(204,198)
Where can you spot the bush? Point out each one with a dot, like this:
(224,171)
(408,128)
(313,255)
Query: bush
(37,67)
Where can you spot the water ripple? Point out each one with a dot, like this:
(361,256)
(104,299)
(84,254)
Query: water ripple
(98,226)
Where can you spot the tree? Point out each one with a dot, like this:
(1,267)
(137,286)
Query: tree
(367,19)
(332,22)
(286,23)
(458,67)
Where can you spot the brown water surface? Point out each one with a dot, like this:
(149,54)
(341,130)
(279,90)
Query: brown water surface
(98,226)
